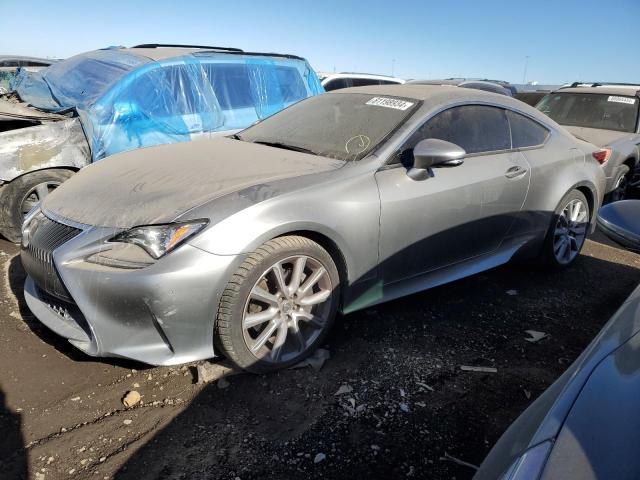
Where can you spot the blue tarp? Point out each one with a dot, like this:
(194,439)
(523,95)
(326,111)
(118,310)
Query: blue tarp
(127,101)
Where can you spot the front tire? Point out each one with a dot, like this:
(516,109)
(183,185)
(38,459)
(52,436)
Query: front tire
(22,194)
(279,305)
(567,232)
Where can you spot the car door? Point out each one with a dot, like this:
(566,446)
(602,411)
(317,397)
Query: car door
(458,212)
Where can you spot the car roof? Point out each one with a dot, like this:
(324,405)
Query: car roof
(20,58)
(163,53)
(418,91)
(628,90)
(373,76)
(435,95)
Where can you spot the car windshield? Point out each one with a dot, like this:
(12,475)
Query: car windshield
(609,112)
(345,126)
(78,81)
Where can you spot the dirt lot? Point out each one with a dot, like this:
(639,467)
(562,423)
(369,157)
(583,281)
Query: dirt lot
(61,414)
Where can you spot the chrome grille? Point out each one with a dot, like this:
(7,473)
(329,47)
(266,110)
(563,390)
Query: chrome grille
(44,236)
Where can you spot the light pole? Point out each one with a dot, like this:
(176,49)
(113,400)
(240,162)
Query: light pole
(393,66)
(526,64)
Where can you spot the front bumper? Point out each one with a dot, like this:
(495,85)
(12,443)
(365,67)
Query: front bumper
(162,314)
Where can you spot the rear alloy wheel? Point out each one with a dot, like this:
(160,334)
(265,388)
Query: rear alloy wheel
(621,185)
(570,231)
(22,194)
(567,232)
(279,305)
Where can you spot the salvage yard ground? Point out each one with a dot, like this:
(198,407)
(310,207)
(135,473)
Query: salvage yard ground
(404,403)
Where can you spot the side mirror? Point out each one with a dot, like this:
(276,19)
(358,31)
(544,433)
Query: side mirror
(620,221)
(433,152)
(124,112)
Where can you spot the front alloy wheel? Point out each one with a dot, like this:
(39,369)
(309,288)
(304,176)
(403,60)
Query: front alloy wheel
(279,305)
(287,309)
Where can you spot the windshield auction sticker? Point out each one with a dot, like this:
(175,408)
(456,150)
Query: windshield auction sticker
(390,103)
(629,100)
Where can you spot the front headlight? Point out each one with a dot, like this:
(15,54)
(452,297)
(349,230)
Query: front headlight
(530,464)
(158,240)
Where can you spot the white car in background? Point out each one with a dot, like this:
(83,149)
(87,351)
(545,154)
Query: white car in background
(335,81)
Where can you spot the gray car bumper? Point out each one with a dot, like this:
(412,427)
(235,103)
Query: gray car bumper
(162,314)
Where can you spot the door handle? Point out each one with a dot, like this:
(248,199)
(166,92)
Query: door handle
(515,171)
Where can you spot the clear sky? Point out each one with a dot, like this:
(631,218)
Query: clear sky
(565,40)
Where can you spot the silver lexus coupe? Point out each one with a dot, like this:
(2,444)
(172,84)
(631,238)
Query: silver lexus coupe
(248,246)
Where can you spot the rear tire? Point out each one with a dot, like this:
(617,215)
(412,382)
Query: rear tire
(620,186)
(279,305)
(20,195)
(567,232)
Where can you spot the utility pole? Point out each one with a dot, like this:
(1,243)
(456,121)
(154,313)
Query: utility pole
(526,64)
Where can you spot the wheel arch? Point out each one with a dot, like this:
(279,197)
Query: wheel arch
(54,167)
(590,196)
(330,246)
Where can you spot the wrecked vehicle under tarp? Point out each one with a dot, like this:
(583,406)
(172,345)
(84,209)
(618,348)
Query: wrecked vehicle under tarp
(10,65)
(103,102)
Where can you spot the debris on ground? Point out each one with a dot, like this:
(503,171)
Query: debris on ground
(468,368)
(512,292)
(319,458)
(535,336)
(315,360)
(344,389)
(210,372)
(424,385)
(257,428)
(131,398)
(451,458)
(223,383)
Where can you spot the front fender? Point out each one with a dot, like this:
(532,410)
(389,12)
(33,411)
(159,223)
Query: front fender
(344,210)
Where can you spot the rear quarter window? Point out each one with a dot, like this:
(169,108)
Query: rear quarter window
(525,132)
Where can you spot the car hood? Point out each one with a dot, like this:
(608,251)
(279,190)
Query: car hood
(601,138)
(157,184)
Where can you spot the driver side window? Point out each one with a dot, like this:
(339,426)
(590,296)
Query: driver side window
(476,128)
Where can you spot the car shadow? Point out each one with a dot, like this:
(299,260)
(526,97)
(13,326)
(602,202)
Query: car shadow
(13,454)
(254,427)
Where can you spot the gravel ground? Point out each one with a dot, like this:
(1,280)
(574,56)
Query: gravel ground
(403,402)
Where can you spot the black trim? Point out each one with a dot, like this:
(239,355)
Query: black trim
(178,45)
(256,54)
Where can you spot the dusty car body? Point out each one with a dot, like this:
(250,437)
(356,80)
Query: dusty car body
(342,201)
(586,425)
(102,102)
(607,116)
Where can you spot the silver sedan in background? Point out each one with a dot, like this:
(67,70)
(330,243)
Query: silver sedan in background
(248,246)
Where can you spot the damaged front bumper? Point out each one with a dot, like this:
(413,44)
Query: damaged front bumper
(161,314)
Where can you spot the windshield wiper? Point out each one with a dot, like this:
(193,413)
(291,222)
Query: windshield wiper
(286,147)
